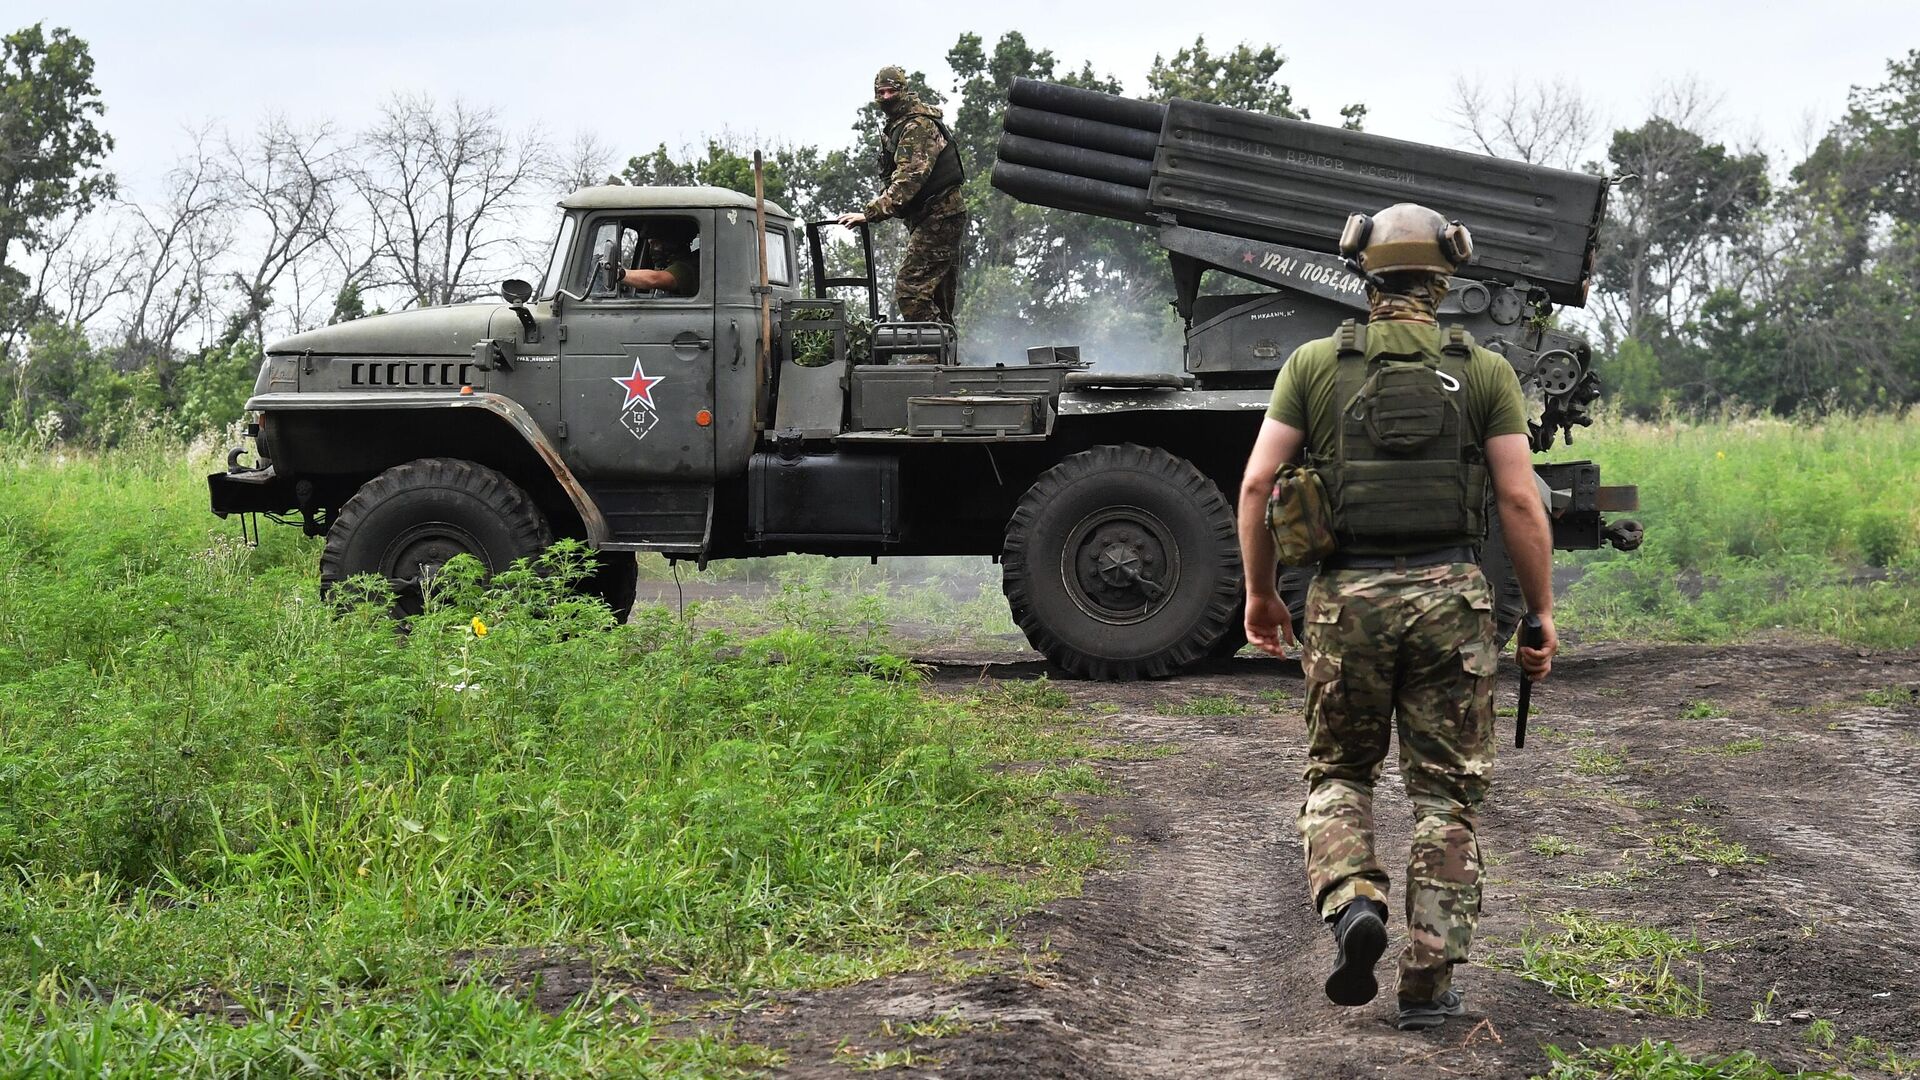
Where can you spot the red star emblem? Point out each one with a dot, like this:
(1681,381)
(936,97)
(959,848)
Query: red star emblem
(1246,257)
(639,386)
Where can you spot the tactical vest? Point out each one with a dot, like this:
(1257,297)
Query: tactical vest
(947,173)
(1407,477)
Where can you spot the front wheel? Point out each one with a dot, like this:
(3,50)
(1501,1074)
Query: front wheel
(1121,562)
(613,581)
(407,522)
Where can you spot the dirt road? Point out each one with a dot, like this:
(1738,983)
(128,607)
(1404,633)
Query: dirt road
(1196,953)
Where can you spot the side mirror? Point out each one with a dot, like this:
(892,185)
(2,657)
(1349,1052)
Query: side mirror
(516,291)
(610,269)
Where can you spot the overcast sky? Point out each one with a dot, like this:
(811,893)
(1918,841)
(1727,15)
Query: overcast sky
(640,73)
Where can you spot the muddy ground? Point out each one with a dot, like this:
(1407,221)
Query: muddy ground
(1195,953)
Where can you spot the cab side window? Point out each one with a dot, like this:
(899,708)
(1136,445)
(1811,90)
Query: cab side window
(779,257)
(660,254)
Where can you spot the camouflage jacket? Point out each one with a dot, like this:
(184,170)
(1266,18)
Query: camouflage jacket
(915,150)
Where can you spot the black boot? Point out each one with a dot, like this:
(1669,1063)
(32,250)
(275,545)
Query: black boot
(1421,1015)
(1359,937)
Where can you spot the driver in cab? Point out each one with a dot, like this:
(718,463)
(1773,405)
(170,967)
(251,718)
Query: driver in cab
(671,261)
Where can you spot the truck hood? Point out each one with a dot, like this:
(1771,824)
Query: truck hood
(435,331)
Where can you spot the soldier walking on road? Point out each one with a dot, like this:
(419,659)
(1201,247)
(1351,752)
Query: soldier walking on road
(1404,422)
(921,163)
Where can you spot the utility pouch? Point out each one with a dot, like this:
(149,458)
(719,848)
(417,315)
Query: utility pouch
(1404,405)
(1300,517)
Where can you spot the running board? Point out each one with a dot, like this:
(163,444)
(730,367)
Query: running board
(674,519)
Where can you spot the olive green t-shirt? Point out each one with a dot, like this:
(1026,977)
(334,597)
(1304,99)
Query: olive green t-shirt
(686,276)
(1495,405)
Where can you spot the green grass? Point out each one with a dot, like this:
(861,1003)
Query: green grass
(1211,705)
(212,789)
(1599,760)
(1612,965)
(1687,841)
(943,1026)
(1629,878)
(1766,520)
(435,1032)
(1702,710)
(1663,1061)
(1891,697)
(1554,847)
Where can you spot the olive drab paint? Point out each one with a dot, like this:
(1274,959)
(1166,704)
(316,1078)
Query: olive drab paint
(647,422)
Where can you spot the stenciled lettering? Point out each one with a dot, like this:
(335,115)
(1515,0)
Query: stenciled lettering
(1386,172)
(1317,161)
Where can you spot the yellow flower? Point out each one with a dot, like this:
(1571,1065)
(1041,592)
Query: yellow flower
(479,628)
(1718,455)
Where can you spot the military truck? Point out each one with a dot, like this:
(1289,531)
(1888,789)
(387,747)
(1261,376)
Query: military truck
(739,418)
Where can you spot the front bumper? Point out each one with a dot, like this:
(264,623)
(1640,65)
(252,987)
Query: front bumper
(251,491)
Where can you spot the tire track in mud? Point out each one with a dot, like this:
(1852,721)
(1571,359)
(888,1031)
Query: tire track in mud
(1195,952)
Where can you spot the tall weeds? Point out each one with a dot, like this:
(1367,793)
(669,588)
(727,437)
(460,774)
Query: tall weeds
(1756,524)
(210,783)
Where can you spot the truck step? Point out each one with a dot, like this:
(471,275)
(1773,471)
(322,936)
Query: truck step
(672,518)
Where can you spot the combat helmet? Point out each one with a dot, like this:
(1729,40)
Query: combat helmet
(1405,237)
(892,75)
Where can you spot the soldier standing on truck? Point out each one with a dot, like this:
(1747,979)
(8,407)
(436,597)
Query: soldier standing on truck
(1404,421)
(921,164)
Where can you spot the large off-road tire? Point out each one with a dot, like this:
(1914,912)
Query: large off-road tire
(615,577)
(407,522)
(1292,582)
(1121,562)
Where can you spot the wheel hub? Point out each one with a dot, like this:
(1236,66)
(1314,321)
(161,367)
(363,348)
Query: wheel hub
(417,555)
(1120,565)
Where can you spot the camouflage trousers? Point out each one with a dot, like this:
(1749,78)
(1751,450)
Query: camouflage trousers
(928,284)
(1416,648)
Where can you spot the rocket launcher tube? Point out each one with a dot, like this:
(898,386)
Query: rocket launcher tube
(1076,161)
(1269,179)
(1088,104)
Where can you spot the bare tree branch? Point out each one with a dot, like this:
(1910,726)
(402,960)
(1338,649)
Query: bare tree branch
(284,183)
(1541,123)
(175,244)
(443,187)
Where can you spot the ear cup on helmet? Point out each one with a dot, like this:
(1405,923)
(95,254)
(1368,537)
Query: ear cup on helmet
(1354,237)
(1456,243)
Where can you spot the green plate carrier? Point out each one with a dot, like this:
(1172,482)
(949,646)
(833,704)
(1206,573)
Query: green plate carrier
(1407,478)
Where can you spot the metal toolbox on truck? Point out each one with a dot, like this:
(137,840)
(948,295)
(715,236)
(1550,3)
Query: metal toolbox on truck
(978,414)
(881,392)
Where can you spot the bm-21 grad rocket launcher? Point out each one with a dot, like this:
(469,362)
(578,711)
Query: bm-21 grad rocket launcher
(1260,201)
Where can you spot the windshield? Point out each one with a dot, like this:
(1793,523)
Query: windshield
(557,261)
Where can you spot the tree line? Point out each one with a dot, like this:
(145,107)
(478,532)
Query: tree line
(1723,277)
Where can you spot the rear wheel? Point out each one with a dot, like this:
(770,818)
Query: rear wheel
(1292,582)
(1121,562)
(407,522)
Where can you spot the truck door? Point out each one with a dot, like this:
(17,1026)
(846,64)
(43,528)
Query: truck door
(637,365)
